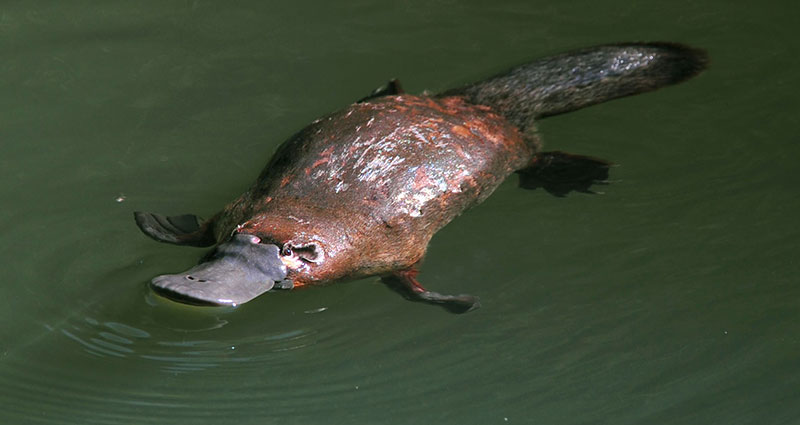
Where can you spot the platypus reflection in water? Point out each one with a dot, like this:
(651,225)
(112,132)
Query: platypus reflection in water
(361,192)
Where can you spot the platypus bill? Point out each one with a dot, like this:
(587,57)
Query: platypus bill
(361,192)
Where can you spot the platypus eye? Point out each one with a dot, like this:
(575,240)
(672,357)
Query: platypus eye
(309,252)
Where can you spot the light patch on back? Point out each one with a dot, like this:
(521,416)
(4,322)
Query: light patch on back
(341,187)
(426,188)
(378,166)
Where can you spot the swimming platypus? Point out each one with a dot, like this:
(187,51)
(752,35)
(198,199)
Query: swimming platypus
(361,192)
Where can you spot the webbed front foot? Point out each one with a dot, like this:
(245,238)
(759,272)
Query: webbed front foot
(186,229)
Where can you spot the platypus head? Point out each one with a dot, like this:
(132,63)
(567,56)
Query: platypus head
(247,264)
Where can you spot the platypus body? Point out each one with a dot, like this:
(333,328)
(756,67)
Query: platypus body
(361,192)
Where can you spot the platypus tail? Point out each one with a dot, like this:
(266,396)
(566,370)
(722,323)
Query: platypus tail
(570,81)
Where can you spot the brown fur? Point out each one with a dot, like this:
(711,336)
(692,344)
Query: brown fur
(373,182)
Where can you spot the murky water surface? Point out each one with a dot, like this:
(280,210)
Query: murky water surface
(671,299)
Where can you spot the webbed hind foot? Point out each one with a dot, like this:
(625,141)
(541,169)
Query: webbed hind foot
(405,282)
(560,173)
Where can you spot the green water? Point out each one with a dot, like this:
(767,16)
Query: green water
(671,299)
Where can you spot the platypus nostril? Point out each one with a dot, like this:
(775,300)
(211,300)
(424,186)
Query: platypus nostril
(194,279)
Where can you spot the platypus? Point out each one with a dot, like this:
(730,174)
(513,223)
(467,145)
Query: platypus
(360,192)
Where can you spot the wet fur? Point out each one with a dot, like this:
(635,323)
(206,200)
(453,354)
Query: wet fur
(574,80)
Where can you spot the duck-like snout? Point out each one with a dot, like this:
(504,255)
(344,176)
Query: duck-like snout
(236,272)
